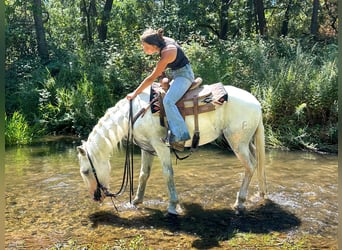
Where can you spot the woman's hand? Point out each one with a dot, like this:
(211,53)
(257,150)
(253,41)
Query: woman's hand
(131,96)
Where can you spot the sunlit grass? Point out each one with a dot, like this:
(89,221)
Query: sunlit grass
(17,130)
(238,240)
(272,240)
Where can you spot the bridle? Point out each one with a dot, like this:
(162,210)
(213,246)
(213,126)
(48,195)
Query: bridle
(128,167)
(100,188)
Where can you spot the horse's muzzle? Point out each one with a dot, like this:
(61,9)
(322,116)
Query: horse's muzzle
(98,194)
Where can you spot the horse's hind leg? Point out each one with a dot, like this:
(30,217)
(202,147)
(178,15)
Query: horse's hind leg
(246,156)
(145,170)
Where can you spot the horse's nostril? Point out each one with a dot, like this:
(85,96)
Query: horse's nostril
(85,172)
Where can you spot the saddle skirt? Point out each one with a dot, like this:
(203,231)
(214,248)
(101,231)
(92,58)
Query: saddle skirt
(202,99)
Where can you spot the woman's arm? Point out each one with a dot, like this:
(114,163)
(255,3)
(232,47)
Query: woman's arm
(168,55)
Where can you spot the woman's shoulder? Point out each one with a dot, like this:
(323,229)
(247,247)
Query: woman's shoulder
(169,40)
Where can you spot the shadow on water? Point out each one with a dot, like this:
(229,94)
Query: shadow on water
(211,226)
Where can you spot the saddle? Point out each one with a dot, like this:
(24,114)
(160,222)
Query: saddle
(198,99)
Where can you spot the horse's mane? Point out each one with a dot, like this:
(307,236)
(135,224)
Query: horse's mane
(108,134)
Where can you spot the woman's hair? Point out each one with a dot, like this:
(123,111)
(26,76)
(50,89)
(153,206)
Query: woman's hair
(153,37)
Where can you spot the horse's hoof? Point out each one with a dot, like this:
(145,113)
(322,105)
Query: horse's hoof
(136,202)
(240,212)
(169,215)
(172,212)
(262,195)
(239,209)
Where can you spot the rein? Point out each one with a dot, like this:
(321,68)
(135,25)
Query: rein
(128,168)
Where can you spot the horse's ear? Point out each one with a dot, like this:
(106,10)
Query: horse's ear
(81,150)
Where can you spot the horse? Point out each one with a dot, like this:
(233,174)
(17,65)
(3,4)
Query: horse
(239,120)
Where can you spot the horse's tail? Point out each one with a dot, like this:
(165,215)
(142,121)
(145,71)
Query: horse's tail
(259,141)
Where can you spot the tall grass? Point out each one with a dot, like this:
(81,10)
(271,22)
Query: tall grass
(295,81)
(17,130)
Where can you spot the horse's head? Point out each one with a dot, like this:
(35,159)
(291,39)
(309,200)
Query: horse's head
(95,173)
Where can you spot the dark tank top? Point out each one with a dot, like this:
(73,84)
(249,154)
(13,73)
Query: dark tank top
(180,61)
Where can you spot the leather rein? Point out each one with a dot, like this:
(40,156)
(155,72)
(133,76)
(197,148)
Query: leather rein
(128,168)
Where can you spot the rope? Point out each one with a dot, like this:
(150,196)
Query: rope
(128,167)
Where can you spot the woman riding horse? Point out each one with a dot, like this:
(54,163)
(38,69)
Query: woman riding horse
(173,57)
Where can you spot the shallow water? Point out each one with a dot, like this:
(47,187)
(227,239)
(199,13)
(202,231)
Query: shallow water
(47,204)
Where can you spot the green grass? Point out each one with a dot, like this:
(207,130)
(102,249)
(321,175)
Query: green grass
(272,240)
(17,130)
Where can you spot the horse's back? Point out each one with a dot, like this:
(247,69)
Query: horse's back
(242,95)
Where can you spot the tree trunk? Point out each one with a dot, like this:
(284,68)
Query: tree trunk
(102,27)
(250,15)
(285,25)
(88,20)
(260,14)
(314,18)
(223,33)
(40,31)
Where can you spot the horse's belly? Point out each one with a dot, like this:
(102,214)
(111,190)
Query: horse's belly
(209,125)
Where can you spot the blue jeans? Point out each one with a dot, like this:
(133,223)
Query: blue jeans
(182,79)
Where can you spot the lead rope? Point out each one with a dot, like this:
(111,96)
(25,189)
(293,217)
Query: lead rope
(130,151)
(128,167)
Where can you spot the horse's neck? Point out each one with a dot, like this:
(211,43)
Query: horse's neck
(109,131)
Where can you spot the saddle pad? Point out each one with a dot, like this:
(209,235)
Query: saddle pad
(208,97)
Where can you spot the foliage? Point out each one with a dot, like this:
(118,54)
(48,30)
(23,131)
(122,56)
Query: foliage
(17,130)
(294,77)
(296,86)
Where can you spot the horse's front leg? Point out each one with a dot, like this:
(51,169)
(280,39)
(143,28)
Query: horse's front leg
(145,170)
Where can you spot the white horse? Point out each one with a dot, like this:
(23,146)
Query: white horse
(239,120)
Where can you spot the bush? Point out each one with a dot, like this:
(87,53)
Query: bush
(295,81)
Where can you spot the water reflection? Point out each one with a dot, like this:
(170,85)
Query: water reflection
(47,202)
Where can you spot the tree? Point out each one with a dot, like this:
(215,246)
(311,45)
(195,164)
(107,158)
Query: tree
(249,18)
(40,31)
(314,18)
(285,24)
(105,17)
(89,13)
(260,17)
(223,28)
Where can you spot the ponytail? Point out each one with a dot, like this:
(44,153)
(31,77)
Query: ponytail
(153,37)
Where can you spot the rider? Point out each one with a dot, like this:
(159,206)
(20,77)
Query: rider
(173,57)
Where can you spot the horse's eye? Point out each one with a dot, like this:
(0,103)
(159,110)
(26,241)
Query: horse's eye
(85,172)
